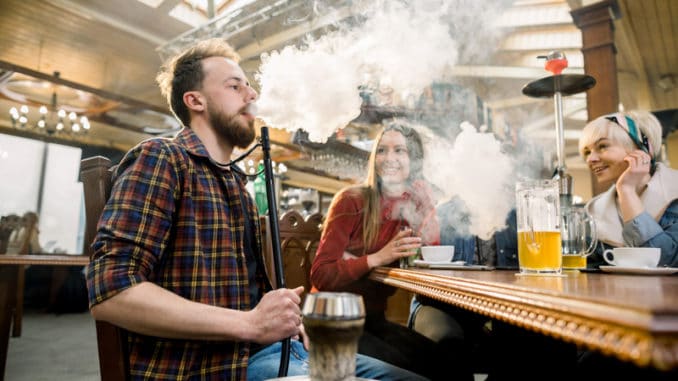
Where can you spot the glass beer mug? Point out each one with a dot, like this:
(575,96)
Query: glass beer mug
(539,219)
(579,237)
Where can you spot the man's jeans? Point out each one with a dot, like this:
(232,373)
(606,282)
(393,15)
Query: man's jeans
(265,363)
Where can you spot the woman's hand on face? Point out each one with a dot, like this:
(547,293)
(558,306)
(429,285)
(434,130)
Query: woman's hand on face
(404,244)
(634,177)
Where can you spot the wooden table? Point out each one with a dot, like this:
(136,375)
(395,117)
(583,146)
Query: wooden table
(633,317)
(10,267)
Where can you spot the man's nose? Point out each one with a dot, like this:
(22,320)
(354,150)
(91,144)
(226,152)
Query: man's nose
(251,94)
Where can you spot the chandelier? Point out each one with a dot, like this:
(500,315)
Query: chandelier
(51,119)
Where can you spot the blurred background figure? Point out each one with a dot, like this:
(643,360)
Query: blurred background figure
(24,238)
(8,224)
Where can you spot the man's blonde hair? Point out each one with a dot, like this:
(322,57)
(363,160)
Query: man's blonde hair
(184,72)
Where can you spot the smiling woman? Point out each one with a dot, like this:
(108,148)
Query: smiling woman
(387,217)
(640,207)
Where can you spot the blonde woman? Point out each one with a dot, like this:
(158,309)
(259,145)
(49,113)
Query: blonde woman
(640,208)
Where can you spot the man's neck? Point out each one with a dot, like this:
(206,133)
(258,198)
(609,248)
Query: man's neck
(218,149)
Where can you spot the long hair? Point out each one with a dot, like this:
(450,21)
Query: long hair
(371,188)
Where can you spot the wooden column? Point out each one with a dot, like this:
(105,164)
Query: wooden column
(597,28)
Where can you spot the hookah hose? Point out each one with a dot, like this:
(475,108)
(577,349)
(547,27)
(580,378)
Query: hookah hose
(275,237)
(265,144)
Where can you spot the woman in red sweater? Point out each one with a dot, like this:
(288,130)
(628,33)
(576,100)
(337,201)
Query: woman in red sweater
(386,218)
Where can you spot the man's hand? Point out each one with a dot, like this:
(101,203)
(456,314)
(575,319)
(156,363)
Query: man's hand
(277,316)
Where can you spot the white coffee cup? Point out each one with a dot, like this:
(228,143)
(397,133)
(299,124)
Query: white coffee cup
(633,256)
(437,253)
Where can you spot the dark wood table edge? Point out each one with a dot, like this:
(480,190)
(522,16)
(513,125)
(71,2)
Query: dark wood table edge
(628,334)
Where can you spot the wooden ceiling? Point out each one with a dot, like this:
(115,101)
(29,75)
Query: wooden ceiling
(112,47)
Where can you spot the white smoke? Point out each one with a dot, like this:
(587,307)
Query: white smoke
(401,48)
(475,169)
(316,87)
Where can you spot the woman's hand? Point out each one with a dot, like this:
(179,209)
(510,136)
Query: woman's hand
(402,245)
(635,177)
(631,183)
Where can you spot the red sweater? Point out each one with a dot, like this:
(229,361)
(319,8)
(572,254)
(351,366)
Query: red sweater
(344,232)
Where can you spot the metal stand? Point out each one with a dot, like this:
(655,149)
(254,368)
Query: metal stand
(555,86)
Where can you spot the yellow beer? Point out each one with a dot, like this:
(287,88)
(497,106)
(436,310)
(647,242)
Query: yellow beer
(539,251)
(574,261)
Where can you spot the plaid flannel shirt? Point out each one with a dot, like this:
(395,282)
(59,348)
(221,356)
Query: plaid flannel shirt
(175,218)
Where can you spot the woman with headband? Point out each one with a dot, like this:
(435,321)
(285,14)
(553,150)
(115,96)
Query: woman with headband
(640,209)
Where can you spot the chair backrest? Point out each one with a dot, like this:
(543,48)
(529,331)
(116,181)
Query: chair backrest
(95,175)
(299,239)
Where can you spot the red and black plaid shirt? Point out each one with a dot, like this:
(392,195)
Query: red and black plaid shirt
(175,218)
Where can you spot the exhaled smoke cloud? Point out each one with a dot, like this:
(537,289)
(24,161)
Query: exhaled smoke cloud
(316,87)
(403,47)
(477,171)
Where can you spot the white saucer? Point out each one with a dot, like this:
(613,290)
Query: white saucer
(640,270)
(456,265)
(437,263)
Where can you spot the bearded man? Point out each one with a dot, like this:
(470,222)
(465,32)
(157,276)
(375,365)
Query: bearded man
(178,253)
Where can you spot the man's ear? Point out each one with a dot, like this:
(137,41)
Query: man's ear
(194,101)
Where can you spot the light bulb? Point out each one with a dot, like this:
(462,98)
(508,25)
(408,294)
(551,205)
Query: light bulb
(24,109)
(43,110)
(72,116)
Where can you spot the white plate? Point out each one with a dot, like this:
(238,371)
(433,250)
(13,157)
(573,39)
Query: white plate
(436,263)
(456,265)
(640,270)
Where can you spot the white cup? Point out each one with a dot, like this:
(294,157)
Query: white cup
(633,256)
(437,253)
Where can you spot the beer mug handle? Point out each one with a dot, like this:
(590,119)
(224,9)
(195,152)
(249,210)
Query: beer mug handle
(594,236)
(608,260)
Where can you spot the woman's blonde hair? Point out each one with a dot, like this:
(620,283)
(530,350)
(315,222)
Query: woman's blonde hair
(615,127)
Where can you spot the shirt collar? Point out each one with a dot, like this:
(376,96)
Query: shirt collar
(190,140)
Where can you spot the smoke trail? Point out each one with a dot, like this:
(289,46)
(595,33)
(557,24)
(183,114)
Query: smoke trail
(399,50)
(316,87)
(475,169)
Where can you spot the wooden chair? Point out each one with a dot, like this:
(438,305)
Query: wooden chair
(299,239)
(95,174)
(23,232)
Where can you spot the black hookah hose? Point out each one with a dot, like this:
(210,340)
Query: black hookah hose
(275,237)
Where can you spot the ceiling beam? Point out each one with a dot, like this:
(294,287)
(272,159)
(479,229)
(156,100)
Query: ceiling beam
(267,44)
(510,72)
(305,179)
(77,86)
(89,13)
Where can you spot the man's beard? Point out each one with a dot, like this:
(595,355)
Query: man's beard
(228,127)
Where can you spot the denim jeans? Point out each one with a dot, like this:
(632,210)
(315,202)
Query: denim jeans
(265,363)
